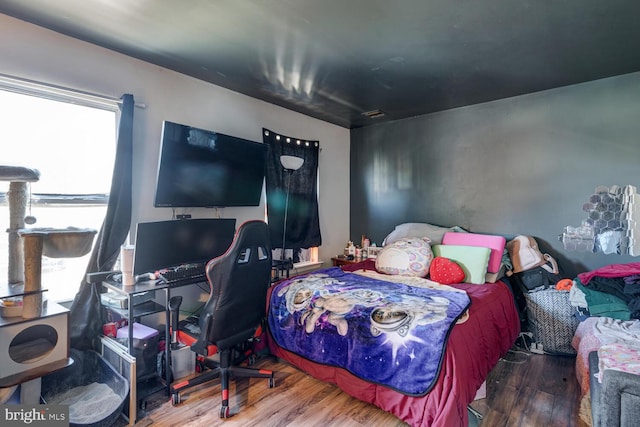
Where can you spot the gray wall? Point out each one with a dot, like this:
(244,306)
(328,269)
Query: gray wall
(31,52)
(523,165)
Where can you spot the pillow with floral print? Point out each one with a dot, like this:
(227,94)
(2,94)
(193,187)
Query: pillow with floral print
(405,257)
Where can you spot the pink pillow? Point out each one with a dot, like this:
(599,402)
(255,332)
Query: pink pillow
(445,271)
(495,243)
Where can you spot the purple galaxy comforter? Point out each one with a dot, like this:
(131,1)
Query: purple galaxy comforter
(388,333)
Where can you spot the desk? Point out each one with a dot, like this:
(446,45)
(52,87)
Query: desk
(140,310)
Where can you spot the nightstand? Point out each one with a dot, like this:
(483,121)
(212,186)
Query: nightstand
(342,260)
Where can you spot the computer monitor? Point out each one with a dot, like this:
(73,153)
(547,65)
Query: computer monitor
(165,244)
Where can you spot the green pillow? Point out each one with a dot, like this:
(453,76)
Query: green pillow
(472,259)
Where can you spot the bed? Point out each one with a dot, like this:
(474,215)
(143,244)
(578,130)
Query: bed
(481,323)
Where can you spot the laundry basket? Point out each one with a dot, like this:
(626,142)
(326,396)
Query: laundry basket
(552,320)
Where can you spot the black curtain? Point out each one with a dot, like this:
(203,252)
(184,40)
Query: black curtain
(303,224)
(85,322)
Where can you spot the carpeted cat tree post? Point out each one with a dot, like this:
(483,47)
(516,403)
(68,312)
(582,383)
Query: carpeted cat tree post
(17,197)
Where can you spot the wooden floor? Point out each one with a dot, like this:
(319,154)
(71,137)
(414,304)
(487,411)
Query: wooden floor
(532,390)
(522,390)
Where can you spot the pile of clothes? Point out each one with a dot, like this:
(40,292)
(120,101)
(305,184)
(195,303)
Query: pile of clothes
(607,302)
(611,291)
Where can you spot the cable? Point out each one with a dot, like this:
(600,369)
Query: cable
(518,359)
(202,288)
(195,313)
(521,349)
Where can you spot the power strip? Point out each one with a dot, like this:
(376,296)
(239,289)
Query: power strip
(525,340)
(537,348)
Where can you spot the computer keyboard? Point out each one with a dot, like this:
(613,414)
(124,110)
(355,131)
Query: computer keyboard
(182,274)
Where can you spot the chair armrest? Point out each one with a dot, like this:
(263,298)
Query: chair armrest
(201,344)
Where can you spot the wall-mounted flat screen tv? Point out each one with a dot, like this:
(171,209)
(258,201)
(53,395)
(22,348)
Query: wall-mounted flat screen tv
(201,168)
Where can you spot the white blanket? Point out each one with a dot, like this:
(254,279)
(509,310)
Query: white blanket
(614,331)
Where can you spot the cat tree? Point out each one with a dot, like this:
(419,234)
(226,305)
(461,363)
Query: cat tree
(34,341)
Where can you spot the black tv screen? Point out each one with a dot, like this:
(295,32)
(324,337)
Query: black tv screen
(165,244)
(201,168)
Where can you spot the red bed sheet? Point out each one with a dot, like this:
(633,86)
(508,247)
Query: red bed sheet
(473,349)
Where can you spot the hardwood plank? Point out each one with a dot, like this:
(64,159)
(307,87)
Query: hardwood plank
(543,390)
(494,419)
(522,390)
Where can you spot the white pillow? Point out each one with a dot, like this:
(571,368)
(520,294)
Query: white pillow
(419,229)
(405,257)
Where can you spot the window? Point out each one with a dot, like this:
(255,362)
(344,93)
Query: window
(72,143)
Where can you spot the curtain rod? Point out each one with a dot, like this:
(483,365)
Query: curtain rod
(25,86)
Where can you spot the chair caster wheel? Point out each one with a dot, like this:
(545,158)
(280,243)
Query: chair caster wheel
(224,412)
(272,382)
(175,399)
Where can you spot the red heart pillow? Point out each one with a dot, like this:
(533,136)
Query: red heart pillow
(445,271)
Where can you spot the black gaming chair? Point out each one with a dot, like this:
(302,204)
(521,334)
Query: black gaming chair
(234,312)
